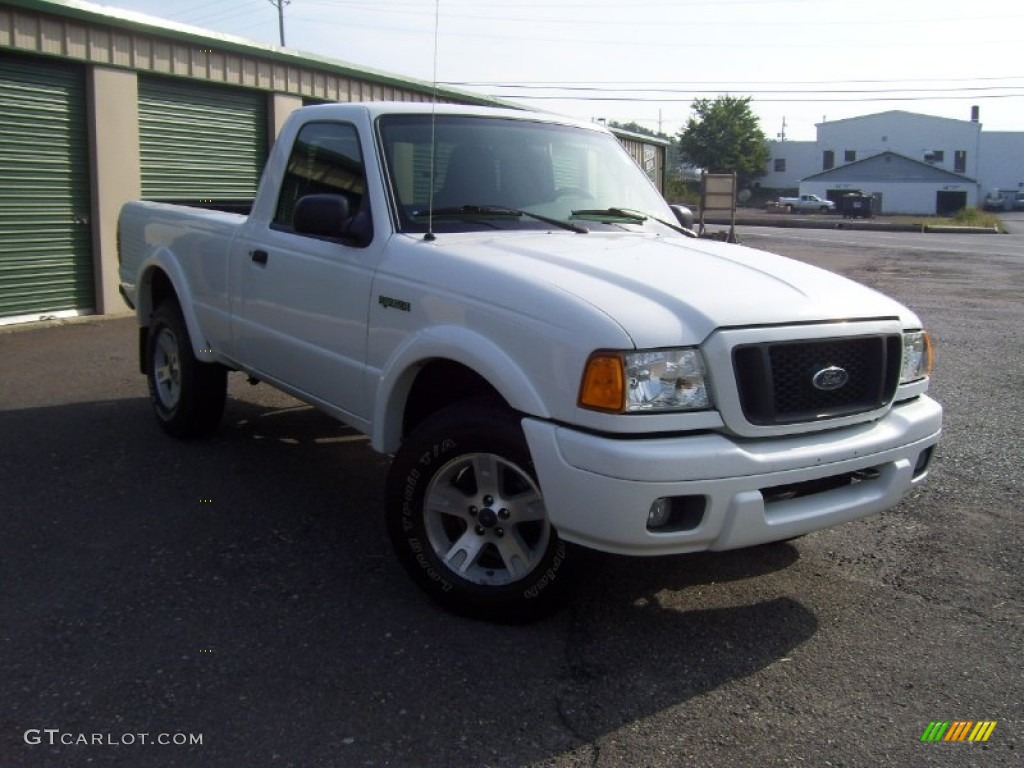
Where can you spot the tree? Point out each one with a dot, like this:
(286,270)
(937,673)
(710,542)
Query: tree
(724,135)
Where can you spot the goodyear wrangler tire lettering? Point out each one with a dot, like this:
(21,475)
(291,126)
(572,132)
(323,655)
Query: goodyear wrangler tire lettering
(467,518)
(436,450)
(549,575)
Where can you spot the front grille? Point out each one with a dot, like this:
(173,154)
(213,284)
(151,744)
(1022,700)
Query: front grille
(776,381)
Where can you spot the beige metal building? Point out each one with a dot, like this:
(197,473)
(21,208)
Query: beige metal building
(99,107)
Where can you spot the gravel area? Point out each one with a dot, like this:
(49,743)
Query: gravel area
(242,587)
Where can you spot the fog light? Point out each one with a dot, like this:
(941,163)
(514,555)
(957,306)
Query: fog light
(661,511)
(923,461)
(676,513)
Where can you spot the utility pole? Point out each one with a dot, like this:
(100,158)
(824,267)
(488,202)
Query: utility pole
(280,4)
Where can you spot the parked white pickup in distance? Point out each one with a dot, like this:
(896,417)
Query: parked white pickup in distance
(807,203)
(504,302)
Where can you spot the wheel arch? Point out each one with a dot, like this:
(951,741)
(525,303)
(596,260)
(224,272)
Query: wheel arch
(442,367)
(162,278)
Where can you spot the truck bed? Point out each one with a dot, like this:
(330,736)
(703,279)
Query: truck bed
(192,242)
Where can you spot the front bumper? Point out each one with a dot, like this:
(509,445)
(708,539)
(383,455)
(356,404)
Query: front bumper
(598,490)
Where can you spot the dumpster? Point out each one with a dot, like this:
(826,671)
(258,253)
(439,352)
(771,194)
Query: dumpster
(856,206)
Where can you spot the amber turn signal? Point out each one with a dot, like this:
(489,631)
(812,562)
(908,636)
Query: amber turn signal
(604,383)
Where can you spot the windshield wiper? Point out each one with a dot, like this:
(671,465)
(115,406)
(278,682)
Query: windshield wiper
(634,215)
(500,210)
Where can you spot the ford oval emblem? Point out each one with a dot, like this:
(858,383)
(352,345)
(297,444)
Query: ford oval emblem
(830,379)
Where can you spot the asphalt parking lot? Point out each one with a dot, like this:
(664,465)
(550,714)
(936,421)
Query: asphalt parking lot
(241,588)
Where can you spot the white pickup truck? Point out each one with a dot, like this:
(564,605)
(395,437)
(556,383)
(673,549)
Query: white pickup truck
(807,203)
(504,301)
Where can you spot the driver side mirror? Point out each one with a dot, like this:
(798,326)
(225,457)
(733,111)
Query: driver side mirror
(683,215)
(330,216)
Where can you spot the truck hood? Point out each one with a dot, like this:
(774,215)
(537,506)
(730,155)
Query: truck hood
(665,290)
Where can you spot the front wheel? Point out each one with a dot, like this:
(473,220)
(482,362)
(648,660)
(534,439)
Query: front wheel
(467,517)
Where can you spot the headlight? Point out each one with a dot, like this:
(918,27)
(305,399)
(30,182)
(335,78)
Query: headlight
(646,382)
(917,356)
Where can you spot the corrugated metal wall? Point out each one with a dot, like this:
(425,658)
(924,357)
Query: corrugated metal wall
(650,157)
(200,142)
(45,240)
(106,44)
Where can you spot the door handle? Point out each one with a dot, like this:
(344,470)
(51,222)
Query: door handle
(260,257)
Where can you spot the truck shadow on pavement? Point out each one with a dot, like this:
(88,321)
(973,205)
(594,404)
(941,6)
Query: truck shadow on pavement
(242,587)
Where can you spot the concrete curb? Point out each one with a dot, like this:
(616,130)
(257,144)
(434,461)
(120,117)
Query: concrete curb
(55,322)
(868,225)
(956,230)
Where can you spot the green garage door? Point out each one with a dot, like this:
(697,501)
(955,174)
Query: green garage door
(45,240)
(200,142)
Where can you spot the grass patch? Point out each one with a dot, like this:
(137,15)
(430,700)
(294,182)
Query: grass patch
(966,217)
(975,217)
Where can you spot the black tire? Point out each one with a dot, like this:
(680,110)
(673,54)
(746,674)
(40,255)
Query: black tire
(187,395)
(824,209)
(485,547)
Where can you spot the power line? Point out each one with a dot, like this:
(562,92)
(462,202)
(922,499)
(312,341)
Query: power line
(619,42)
(658,22)
(209,15)
(591,5)
(750,91)
(179,12)
(659,100)
(641,84)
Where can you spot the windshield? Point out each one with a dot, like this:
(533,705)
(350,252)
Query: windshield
(501,173)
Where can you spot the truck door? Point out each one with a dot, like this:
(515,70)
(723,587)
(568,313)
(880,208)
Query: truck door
(301,302)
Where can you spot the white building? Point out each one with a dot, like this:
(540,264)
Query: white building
(790,161)
(899,184)
(919,163)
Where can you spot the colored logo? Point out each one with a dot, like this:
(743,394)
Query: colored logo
(830,379)
(959,730)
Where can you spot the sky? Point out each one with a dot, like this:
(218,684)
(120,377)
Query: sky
(801,61)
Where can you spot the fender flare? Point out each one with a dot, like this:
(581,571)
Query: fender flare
(163,260)
(456,344)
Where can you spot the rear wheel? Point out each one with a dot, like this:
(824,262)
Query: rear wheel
(187,395)
(468,521)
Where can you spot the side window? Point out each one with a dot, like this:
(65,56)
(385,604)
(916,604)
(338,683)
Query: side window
(326,159)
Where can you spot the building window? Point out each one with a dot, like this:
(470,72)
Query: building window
(780,165)
(960,161)
(850,156)
(828,160)
(938,155)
